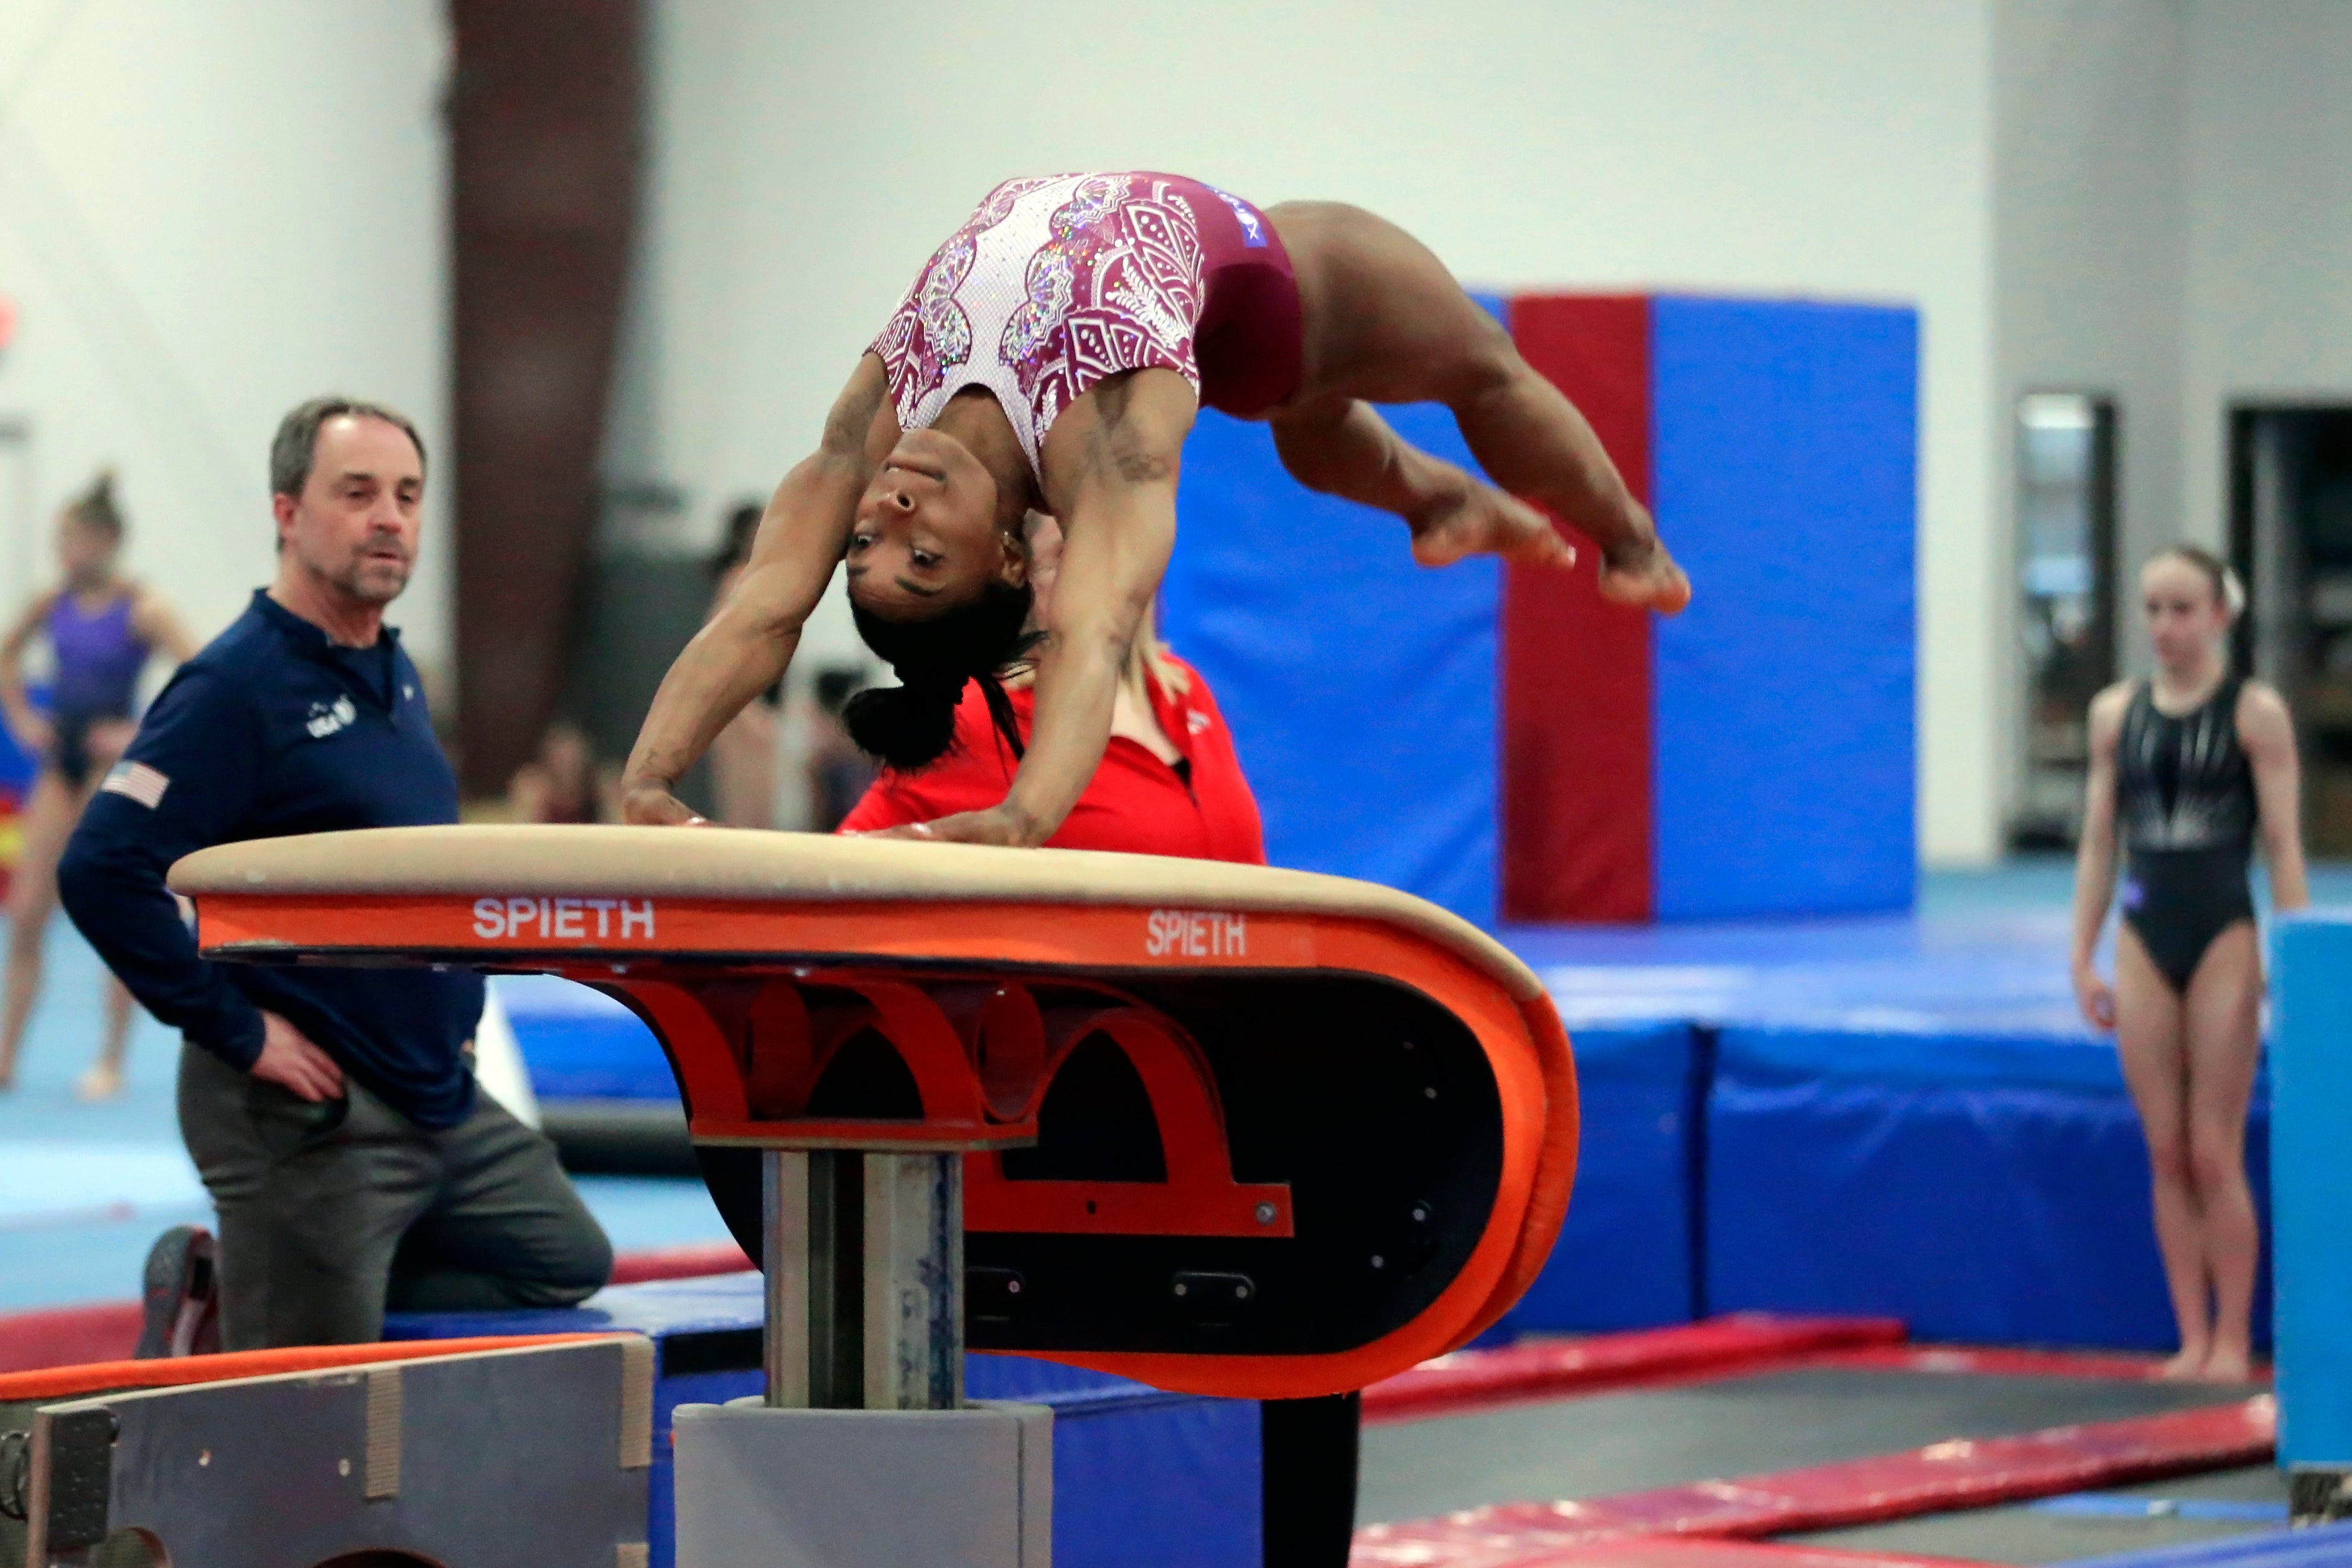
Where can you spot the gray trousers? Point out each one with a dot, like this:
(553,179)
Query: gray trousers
(332,1213)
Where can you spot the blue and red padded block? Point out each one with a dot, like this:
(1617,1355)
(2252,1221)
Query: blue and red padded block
(1505,744)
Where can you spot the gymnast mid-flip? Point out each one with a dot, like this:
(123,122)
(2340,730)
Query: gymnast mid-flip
(1052,354)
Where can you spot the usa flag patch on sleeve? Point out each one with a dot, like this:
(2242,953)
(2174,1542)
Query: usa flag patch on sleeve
(138,780)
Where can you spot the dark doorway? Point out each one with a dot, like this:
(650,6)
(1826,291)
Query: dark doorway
(2066,602)
(2291,539)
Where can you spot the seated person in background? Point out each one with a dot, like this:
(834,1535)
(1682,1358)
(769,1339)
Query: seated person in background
(563,782)
(743,754)
(1169,782)
(838,772)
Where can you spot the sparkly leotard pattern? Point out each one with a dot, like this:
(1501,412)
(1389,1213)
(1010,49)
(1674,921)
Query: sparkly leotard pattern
(2185,804)
(1054,284)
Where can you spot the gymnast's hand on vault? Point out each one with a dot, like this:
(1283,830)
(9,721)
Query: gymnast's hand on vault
(651,805)
(290,1060)
(997,825)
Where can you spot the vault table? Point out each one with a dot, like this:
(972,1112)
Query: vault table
(1221,1128)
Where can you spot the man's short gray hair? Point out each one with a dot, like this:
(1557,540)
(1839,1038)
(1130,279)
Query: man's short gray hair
(297,441)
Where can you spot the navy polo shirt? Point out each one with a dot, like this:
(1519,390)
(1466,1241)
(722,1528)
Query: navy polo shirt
(273,729)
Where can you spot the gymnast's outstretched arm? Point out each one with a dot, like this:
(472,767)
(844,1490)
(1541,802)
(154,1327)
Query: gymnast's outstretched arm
(742,650)
(1110,466)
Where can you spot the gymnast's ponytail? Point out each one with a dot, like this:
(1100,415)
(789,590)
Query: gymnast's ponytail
(912,724)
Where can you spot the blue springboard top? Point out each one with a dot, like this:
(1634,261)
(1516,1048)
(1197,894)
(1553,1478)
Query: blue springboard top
(734,1303)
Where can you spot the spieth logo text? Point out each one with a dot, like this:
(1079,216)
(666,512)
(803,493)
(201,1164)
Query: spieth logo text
(564,920)
(1194,934)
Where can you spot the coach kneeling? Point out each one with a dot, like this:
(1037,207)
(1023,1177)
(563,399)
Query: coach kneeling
(332,1113)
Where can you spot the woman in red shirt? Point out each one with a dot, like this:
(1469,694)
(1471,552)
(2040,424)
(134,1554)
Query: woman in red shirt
(1175,788)
(1169,784)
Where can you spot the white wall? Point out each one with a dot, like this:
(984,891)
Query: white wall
(207,213)
(2270,226)
(807,158)
(2090,252)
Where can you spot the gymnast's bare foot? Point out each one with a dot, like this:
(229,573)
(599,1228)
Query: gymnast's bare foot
(2227,1364)
(102,1081)
(1645,577)
(2189,1366)
(1481,520)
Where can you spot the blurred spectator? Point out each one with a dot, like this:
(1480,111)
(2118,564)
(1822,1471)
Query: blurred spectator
(564,783)
(102,628)
(838,772)
(743,754)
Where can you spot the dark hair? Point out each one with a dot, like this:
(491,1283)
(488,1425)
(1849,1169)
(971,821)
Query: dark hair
(835,685)
(95,507)
(742,527)
(912,724)
(296,444)
(2227,592)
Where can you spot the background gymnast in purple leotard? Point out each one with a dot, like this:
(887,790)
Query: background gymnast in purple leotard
(101,629)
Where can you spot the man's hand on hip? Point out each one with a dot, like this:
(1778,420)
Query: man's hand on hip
(290,1060)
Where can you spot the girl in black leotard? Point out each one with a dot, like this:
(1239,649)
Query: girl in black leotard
(2187,766)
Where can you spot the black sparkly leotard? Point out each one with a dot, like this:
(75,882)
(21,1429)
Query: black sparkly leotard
(2185,808)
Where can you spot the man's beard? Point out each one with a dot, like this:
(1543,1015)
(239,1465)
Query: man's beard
(372,581)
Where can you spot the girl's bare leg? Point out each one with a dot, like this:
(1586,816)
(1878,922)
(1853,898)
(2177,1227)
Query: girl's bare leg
(32,899)
(2221,1036)
(2149,1034)
(1385,323)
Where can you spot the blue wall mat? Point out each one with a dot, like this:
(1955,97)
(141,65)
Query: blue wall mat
(1623,1258)
(1785,482)
(2311,1165)
(1992,1213)
(1361,687)
(579,1043)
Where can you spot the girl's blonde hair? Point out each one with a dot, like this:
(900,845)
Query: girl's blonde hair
(2227,590)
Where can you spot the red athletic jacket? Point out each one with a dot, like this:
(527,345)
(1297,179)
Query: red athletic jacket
(1135,803)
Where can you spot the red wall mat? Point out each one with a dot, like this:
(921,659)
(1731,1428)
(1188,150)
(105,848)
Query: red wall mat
(1938,1478)
(1719,1347)
(1576,676)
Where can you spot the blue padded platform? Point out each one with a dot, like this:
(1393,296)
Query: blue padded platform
(1784,477)
(1141,1477)
(580,1043)
(1361,687)
(1902,1116)
(2311,1172)
(1625,1258)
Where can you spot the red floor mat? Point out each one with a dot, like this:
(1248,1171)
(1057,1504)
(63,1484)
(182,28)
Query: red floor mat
(1718,1347)
(1933,1480)
(1656,1554)
(1999,1362)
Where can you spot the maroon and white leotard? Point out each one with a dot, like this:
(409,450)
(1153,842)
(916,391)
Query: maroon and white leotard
(1056,283)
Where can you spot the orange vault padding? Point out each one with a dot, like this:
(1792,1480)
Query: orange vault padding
(1227,1130)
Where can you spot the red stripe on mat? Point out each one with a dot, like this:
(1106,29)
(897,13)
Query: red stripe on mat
(1993,1361)
(109,1330)
(1660,1554)
(1940,1477)
(1547,1370)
